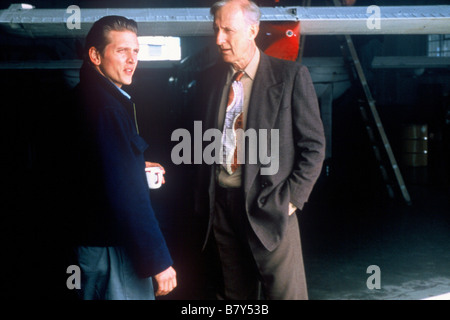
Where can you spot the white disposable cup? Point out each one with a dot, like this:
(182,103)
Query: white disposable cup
(154,177)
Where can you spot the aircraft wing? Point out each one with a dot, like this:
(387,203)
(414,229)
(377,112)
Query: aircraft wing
(33,22)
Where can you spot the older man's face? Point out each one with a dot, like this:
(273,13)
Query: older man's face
(234,36)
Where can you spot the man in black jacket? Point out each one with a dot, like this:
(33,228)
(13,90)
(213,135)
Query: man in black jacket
(119,244)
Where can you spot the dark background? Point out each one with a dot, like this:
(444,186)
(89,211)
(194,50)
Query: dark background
(349,204)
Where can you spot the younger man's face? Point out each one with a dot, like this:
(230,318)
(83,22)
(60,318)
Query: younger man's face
(119,59)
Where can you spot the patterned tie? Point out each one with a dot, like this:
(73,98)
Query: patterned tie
(233,121)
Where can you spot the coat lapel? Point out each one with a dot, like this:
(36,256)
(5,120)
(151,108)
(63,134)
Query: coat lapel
(266,97)
(263,110)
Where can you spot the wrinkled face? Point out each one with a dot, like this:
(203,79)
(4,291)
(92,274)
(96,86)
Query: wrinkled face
(234,35)
(119,58)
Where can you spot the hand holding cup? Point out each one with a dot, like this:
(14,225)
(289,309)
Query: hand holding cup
(155,174)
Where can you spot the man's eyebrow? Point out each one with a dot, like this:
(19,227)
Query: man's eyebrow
(125,47)
(215,26)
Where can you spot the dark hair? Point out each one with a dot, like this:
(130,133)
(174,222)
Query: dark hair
(98,35)
(251,10)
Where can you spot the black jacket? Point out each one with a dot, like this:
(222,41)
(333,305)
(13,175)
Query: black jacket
(111,202)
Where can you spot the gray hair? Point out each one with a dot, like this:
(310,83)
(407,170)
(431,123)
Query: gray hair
(251,10)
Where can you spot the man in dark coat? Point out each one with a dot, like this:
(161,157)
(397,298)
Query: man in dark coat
(119,244)
(252,208)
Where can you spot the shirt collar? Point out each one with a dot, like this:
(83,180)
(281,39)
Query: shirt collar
(121,90)
(124,93)
(251,68)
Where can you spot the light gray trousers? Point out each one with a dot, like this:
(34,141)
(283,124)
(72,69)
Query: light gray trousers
(107,274)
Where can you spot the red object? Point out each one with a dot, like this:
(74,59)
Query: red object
(280,39)
(348,2)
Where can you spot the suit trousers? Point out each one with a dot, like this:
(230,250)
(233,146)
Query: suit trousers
(108,274)
(245,263)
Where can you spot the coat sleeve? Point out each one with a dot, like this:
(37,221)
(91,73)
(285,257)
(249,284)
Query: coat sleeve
(127,194)
(309,139)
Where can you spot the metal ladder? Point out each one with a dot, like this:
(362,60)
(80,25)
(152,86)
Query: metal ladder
(369,109)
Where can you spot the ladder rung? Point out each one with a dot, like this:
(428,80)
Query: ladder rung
(374,112)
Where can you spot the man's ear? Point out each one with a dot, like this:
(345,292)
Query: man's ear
(94,56)
(254,29)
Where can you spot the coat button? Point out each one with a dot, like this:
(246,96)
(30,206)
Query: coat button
(263,200)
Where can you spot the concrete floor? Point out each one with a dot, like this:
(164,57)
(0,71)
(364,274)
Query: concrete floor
(410,245)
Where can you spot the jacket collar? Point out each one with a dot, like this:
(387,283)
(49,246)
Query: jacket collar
(90,76)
